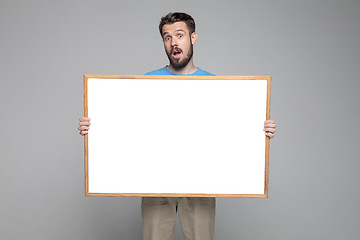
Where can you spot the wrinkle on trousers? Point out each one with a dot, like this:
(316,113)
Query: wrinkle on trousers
(196,215)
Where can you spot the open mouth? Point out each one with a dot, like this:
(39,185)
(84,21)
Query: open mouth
(176,53)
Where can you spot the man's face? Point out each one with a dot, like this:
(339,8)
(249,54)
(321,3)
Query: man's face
(178,44)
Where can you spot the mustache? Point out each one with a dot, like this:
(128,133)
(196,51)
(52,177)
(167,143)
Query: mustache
(175,49)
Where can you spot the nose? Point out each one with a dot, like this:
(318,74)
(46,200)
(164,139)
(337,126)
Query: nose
(174,42)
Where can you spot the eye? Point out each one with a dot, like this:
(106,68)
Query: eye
(180,35)
(167,38)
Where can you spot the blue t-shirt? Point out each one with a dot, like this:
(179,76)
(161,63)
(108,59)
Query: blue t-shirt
(165,71)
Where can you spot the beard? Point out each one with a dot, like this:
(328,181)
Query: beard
(177,63)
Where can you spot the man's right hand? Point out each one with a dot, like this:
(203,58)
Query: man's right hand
(84,123)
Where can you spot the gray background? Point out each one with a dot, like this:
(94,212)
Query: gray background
(310,48)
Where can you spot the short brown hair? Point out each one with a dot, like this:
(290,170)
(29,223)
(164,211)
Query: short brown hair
(171,18)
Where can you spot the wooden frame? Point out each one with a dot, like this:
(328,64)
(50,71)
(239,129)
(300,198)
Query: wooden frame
(264,194)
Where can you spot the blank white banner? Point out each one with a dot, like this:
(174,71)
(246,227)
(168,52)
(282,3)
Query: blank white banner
(176,136)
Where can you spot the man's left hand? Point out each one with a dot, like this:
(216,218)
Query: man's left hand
(269,128)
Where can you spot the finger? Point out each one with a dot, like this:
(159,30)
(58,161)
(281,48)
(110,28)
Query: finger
(269,121)
(83,133)
(271,130)
(83,128)
(84,123)
(270,135)
(84,119)
(268,125)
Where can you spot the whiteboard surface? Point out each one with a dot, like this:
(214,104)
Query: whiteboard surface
(176,136)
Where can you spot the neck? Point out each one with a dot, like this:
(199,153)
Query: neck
(188,69)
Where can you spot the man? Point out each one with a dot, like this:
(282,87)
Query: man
(197,215)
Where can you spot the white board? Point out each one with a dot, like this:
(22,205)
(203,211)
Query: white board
(158,137)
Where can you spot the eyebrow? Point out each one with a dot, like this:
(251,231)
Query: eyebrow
(177,30)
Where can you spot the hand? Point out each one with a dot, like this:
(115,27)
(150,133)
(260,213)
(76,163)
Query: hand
(84,123)
(269,128)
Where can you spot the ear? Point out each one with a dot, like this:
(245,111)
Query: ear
(193,38)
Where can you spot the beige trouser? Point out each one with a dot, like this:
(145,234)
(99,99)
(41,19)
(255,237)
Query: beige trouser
(196,215)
